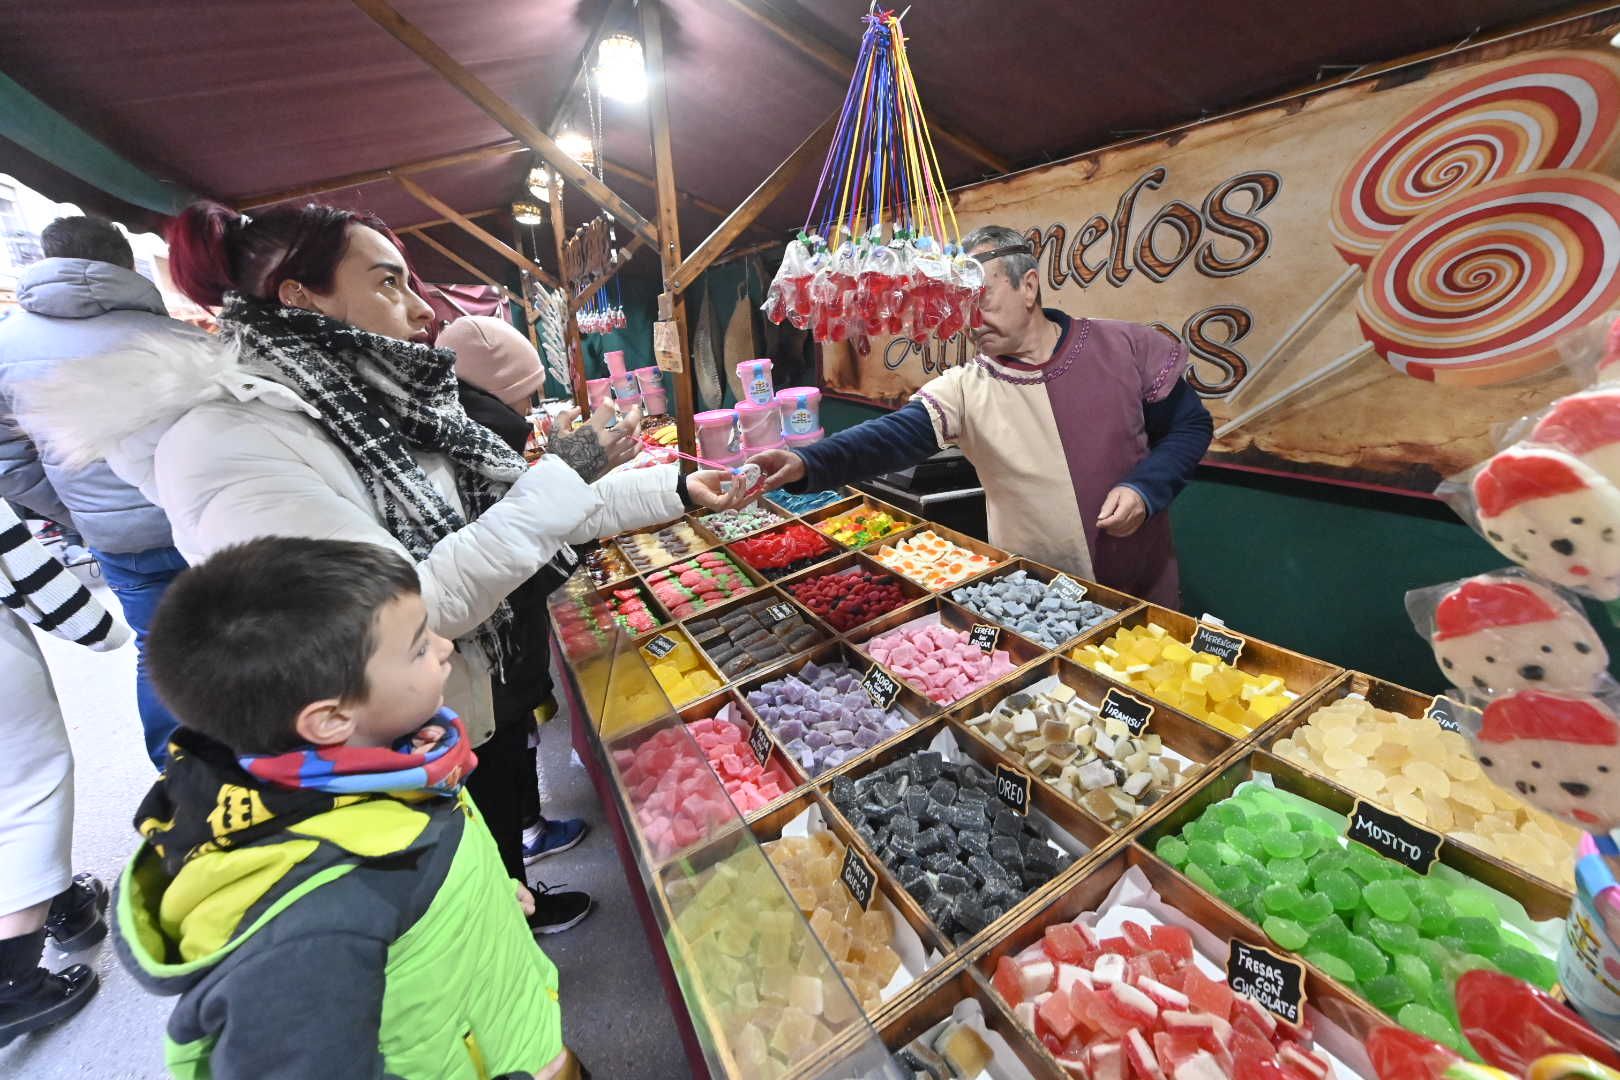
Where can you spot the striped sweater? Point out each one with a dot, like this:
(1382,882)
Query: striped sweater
(42,591)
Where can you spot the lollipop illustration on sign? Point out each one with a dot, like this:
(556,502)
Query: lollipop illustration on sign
(1478,290)
(1558,110)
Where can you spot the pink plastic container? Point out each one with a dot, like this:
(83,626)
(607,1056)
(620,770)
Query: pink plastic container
(801,411)
(755,376)
(760,425)
(653,396)
(806,439)
(717,436)
(598,390)
(615,363)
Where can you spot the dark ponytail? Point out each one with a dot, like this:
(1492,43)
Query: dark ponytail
(214,250)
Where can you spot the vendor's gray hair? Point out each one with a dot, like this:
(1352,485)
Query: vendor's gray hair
(1016,265)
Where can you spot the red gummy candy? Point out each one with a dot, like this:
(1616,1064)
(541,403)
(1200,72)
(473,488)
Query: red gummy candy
(1398,1054)
(1512,1023)
(1007,982)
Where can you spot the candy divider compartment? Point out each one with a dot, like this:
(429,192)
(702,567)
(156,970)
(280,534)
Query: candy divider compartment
(678,630)
(835,549)
(760,594)
(1060,816)
(782,518)
(916,707)
(1202,744)
(611,546)
(848,562)
(998,558)
(1021,652)
(709,543)
(1122,603)
(710,706)
(845,493)
(1301,674)
(908,523)
(755,580)
(1336,1003)
(769,825)
(935,1004)
(659,611)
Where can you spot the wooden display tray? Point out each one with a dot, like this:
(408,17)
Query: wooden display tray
(1337,1004)
(658,610)
(933,1004)
(857,560)
(997,556)
(1059,811)
(1394,698)
(710,542)
(909,523)
(1299,673)
(834,549)
(782,518)
(1122,604)
(767,594)
(1180,732)
(1021,651)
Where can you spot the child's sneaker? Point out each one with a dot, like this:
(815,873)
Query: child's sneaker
(76,917)
(556,910)
(553,837)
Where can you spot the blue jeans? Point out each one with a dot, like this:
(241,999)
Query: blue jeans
(139,578)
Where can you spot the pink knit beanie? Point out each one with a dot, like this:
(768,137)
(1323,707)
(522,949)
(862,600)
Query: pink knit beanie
(492,355)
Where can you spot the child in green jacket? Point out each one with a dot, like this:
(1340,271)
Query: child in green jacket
(314,884)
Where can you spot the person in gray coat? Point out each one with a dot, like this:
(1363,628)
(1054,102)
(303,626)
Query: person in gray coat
(82,300)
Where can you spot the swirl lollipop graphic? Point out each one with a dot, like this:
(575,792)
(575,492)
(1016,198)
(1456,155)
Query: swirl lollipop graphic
(1553,110)
(1478,290)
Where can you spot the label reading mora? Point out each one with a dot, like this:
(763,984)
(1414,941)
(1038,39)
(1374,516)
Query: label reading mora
(1393,836)
(660,647)
(880,687)
(779,612)
(1069,587)
(1118,705)
(858,878)
(1218,643)
(1450,713)
(985,636)
(1012,787)
(759,741)
(1275,984)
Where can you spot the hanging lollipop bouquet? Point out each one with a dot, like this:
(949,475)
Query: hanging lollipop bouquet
(880,252)
(600,316)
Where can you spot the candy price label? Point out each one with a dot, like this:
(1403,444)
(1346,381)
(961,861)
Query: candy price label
(1069,587)
(1450,714)
(880,687)
(1393,836)
(985,636)
(659,647)
(759,741)
(1275,984)
(1218,643)
(1118,705)
(858,878)
(779,612)
(1012,787)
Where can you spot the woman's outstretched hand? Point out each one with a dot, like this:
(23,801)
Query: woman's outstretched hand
(705,489)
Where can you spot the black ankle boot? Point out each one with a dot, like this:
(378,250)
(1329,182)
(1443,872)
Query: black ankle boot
(75,921)
(32,998)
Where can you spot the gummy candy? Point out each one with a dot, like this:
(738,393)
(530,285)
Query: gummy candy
(939,660)
(848,599)
(784,551)
(933,561)
(1032,608)
(686,588)
(860,527)
(740,522)
(647,551)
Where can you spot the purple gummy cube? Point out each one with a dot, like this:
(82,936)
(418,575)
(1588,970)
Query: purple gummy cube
(843,738)
(817,739)
(797,748)
(866,738)
(758,698)
(810,672)
(790,730)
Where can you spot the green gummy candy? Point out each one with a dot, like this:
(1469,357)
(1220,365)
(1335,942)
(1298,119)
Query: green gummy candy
(1229,812)
(1414,972)
(1203,853)
(1313,908)
(1330,935)
(1229,855)
(1388,992)
(1282,845)
(1311,844)
(1200,877)
(1333,859)
(1265,824)
(1480,934)
(1431,1025)
(1466,902)
(1388,900)
(1281,899)
(1526,965)
(1245,840)
(1366,958)
(1369,867)
(1434,918)
(1229,878)
(1339,887)
(1287,933)
(1246,900)
(1289,871)
(1332,966)
(1173,850)
(1393,938)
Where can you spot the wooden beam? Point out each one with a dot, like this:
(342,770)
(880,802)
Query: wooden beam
(411,36)
(669,229)
(612,17)
(571,337)
(464,264)
(839,63)
(436,222)
(505,251)
(809,152)
(684,196)
(372,176)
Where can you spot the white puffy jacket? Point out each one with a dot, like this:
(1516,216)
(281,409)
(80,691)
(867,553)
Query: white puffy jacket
(231,456)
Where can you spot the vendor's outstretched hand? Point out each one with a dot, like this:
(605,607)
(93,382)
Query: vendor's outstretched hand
(704,489)
(1123,512)
(781,467)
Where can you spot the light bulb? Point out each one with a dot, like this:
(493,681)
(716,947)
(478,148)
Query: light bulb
(620,72)
(577,146)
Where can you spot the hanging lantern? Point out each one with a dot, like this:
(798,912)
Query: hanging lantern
(540,183)
(578,147)
(880,253)
(528,213)
(619,69)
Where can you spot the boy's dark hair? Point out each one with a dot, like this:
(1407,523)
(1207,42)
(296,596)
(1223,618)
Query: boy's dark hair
(87,238)
(243,642)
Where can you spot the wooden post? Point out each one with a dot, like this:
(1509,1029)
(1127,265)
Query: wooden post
(671,305)
(576,348)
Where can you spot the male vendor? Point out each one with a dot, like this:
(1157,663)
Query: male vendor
(1082,431)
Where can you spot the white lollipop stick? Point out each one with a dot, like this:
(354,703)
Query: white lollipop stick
(1287,392)
(1350,274)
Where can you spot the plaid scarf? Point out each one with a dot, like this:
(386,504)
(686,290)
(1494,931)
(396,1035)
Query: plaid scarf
(380,398)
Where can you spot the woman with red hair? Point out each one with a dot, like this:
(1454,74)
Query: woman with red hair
(325,414)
